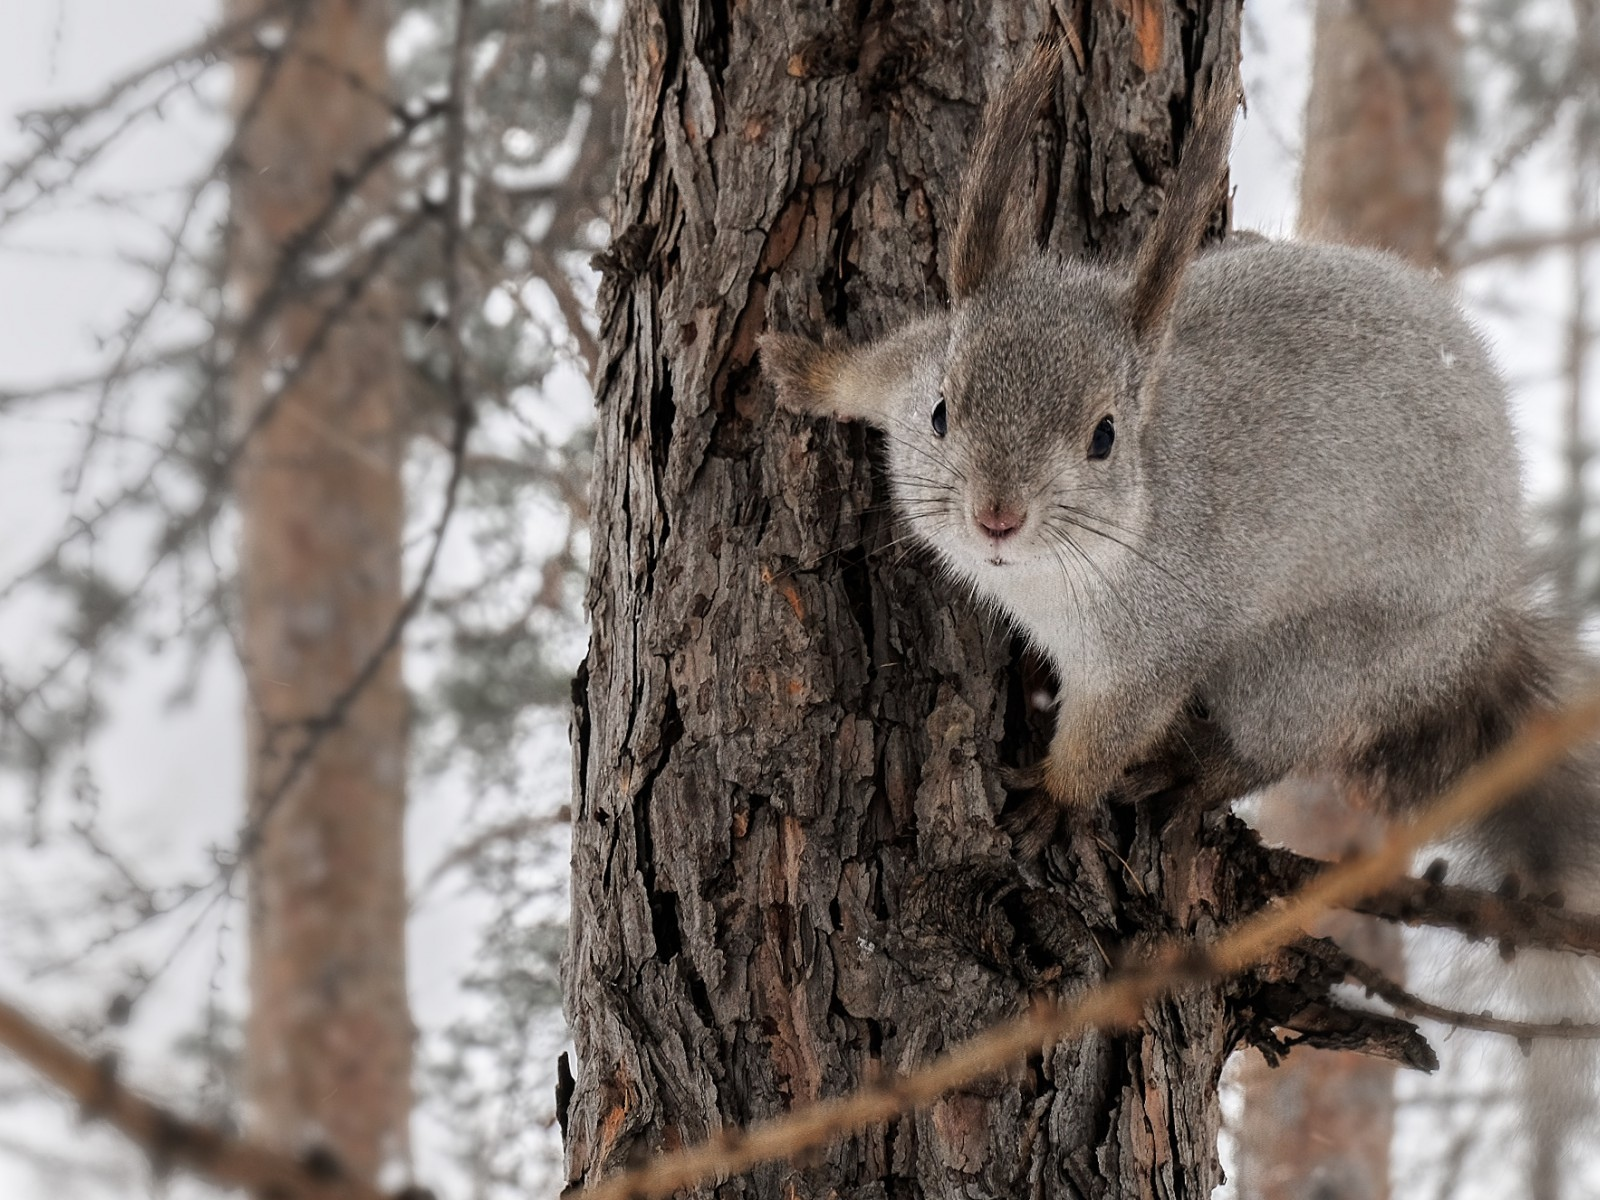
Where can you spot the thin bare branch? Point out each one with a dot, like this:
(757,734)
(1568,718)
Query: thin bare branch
(168,1139)
(176,243)
(121,370)
(1514,921)
(45,188)
(516,830)
(354,287)
(572,309)
(1516,247)
(1404,1002)
(1514,151)
(209,46)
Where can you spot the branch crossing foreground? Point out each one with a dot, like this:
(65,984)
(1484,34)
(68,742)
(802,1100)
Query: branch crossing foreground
(1373,883)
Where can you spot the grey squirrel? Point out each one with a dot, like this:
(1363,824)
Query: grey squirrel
(1276,482)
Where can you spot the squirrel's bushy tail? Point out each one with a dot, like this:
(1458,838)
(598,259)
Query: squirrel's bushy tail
(1546,844)
(1543,844)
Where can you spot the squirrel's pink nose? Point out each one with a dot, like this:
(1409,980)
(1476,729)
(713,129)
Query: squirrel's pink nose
(1000,523)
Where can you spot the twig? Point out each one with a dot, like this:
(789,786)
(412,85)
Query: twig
(1534,923)
(168,1139)
(517,829)
(1119,1001)
(353,289)
(67,118)
(1511,154)
(175,247)
(1518,246)
(1392,994)
(44,188)
(572,309)
(122,370)
(455,137)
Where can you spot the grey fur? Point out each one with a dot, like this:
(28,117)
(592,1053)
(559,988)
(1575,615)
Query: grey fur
(1311,520)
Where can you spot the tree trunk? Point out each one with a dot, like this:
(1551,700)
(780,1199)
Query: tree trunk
(329,1034)
(788,872)
(1378,124)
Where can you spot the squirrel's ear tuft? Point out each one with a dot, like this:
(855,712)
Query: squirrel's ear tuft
(1186,211)
(997,219)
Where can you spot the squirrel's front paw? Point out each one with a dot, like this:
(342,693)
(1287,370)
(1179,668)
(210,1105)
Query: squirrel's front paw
(1071,778)
(1066,783)
(1072,783)
(1082,767)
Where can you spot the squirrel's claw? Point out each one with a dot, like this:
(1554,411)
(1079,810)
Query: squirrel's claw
(1033,824)
(1064,786)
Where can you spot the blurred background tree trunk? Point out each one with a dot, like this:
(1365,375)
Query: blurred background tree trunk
(329,1035)
(1319,1124)
(789,874)
(1378,123)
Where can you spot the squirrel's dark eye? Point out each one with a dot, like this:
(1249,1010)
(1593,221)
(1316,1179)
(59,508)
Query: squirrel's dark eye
(941,423)
(1104,434)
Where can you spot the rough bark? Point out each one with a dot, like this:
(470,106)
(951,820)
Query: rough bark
(789,869)
(1378,123)
(329,1033)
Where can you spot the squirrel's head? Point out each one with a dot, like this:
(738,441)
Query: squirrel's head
(1013,420)
(1010,424)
